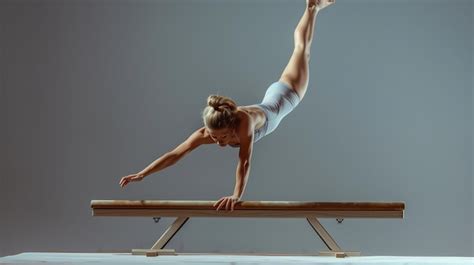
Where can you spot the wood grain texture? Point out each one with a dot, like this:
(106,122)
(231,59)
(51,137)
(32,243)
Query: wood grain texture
(250,205)
(188,208)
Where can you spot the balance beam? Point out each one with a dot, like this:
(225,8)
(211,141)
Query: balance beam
(184,209)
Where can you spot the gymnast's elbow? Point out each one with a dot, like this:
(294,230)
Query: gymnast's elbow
(182,150)
(244,163)
(173,157)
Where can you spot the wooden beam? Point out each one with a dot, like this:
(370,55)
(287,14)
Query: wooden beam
(283,209)
(183,210)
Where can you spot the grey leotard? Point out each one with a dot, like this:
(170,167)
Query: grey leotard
(279,100)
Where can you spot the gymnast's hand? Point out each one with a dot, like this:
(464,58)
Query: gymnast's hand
(227,201)
(319,4)
(134,177)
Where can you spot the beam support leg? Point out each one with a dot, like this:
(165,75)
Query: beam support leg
(158,247)
(334,248)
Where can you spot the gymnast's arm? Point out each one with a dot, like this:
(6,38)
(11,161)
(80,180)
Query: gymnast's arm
(246,135)
(196,139)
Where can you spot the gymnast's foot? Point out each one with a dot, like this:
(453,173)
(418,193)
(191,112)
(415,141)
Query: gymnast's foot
(319,4)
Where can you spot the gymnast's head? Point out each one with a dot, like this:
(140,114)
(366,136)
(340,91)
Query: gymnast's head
(220,118)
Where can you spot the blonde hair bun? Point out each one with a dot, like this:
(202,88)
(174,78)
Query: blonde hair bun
(216,102)
(220,112)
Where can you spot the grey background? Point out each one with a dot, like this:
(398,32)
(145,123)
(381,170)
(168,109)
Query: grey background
(95,90)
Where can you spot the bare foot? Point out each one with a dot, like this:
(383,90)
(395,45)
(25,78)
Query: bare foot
(319,4)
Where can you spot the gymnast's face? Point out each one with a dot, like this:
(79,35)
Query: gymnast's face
(221,136)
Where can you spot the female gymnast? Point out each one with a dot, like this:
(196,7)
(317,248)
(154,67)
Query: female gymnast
(225,123)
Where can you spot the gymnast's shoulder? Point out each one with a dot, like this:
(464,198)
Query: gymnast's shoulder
(197,138)
(201,136)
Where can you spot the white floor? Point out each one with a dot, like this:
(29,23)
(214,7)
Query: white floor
(217,259)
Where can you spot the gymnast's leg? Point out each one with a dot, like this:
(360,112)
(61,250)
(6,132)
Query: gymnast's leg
(296,73)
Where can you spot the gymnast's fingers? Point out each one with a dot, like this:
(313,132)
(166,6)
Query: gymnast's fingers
(125,179)
(124,182)
(218,203)
(224,203)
